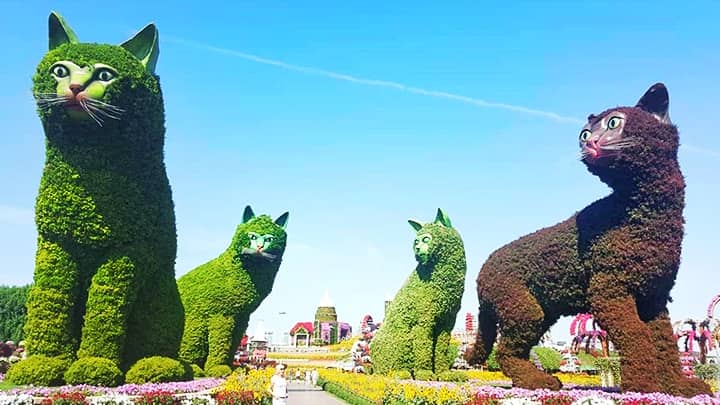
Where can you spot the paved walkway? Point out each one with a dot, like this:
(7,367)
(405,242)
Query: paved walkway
(301,394)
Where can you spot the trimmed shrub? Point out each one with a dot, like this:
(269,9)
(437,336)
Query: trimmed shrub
(197,371)
(617,258)
(415,334)
(452,376)
(549,358)
(94,371)
(230,288)
(707,371)
(401,374)
(12,308)
(104,211)
(425,375)
(220,370)
(156,369)
(38,370)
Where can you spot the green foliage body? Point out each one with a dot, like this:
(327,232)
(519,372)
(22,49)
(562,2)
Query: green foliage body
(415,335)
(104,283)
(220,295)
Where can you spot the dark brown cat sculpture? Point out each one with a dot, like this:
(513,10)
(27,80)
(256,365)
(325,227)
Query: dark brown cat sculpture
(617,258)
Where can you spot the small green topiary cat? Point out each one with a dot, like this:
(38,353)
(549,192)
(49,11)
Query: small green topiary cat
(415,335)
(220,295)
(104,283)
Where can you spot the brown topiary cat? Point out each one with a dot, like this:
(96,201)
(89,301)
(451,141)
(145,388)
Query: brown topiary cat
(617,258)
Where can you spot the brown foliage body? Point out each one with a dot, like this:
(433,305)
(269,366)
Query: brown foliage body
(617,259)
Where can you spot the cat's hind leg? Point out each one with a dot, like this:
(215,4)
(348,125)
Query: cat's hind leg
(615,309)
(522,323)
(669,368)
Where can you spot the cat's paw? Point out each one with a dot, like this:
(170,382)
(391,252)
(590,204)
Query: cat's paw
(689,387)
(94,371)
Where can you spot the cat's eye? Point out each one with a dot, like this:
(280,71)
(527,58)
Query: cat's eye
(59,71)
(268,239)
(585,134)
(105,75)
(614,122)
(426,239)
(253,237)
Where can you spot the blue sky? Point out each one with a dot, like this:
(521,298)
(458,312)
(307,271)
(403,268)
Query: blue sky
(357,117)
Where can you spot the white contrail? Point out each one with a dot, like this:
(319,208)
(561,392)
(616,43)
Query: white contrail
(378,83)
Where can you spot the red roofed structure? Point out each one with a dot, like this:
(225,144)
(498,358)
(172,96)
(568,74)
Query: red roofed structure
(300,334)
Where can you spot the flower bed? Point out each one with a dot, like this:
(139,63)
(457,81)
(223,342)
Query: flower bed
(197,392)
(374,389)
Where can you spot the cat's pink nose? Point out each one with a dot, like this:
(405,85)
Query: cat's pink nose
(76,88)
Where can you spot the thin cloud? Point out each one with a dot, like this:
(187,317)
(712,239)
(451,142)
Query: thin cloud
(16,215)
(379,83)
(700,150)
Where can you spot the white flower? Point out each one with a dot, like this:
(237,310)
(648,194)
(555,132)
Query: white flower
(594,401)
(22,399)
(111,399)
(519,401)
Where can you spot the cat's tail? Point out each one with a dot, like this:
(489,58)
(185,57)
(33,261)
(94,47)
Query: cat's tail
(486,334)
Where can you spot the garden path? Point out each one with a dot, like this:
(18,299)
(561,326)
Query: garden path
(301,394)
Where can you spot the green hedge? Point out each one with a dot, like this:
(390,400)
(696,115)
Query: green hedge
(12,308)
(343,393)
(104,281)
(38,370)
(416,332)
(549,358)
(220,295)
(94,371)
(156,369)
(219,370)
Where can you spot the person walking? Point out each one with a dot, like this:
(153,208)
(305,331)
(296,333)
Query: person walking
(279,386)
(314,376)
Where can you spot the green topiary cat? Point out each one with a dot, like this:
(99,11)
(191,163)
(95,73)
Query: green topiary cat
(104,282)
(415,335)
(220,295)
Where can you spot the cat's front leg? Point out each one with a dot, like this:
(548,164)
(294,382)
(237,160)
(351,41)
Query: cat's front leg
(110,299)
(220,331)
(615,309)
(51,327)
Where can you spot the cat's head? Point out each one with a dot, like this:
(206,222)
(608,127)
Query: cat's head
(431,237)
(96,83)
(260,237)
(630,142)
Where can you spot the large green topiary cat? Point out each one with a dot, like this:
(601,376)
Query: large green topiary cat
(415,335)
(104,282)
(220,295)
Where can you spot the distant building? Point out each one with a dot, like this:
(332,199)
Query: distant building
(325,329)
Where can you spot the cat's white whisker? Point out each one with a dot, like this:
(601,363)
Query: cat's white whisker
(99,110)
(106,105)
(85,107)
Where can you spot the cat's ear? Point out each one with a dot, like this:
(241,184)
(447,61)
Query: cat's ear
(144,45)
(248,214)
(282,220)
(59,31)
(656,101)
(415,224)
(442,218)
